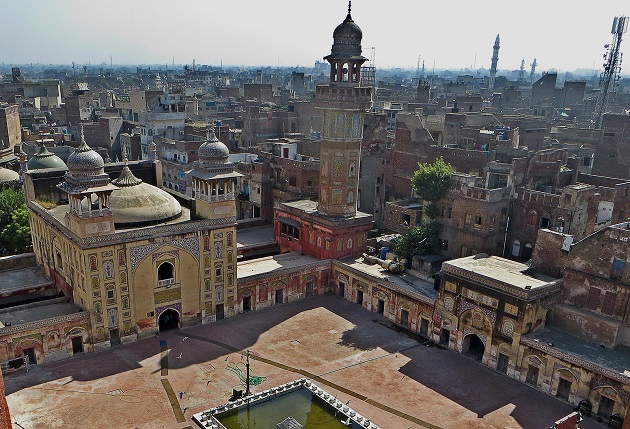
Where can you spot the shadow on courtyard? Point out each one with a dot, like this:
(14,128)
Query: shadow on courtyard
(451,375)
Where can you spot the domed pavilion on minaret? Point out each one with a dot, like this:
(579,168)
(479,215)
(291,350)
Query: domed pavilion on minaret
(332,227)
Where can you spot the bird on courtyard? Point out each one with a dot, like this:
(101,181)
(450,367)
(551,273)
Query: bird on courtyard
(184,339)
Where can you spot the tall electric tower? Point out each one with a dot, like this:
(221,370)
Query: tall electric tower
(532,74)
(612,67)
(495,60)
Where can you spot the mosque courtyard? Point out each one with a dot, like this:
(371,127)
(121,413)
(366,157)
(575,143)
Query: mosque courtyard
(161,382)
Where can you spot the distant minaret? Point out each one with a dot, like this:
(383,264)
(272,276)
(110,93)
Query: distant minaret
(533,72)
(521,73)
(495,60)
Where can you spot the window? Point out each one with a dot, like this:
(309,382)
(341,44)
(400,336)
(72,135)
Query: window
(468,219)
(165,271)
(477,220)
(544,221)
(619,264)
(110,294)
(592,300)
(608,307)
(449,211)
(532,218)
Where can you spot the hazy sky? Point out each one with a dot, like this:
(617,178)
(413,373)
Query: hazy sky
(561,34)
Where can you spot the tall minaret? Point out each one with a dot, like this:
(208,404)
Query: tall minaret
(495,60)
(521,72)
(532,74)
(343,102)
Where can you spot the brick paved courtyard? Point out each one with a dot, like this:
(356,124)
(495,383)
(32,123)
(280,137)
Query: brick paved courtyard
(390,378)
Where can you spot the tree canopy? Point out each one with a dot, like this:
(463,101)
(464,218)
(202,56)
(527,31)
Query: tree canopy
(431,182)
(15,232)
(16,235)
(420,240)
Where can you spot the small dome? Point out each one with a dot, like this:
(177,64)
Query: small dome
(348,30)
(45,159)
(7,175)
(137,202)
(84,161)
(213,150)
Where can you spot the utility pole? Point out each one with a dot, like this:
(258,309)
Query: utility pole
(247,392)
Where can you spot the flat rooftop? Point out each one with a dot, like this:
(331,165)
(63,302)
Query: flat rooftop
(310,207)
(616,360)
(273,263)
(32,313)
(405,282)
(256,236)
(13,281)
(494,267)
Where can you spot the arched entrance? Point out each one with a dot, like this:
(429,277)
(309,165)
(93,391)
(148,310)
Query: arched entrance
(169,319)
(473,347)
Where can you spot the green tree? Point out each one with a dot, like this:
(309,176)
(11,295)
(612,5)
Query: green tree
(17,233)
(420,240)
(431,182)
(10,200)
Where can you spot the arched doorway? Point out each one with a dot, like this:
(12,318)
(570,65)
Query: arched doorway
(169,319)
(473,347)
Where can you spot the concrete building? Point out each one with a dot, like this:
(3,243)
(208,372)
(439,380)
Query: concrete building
(10,133)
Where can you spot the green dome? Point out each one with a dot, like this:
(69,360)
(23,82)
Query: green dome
(45,159)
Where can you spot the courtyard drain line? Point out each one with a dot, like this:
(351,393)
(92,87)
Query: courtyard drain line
(321,380)
(172,398)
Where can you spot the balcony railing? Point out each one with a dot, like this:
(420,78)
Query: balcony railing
(166,282)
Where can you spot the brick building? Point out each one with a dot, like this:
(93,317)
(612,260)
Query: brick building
(612,155)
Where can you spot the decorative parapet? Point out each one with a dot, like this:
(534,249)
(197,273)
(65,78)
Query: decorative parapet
(7,330)
(208,419)
(598,369)
(185,227)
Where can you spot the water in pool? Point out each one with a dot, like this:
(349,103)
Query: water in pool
(311,412)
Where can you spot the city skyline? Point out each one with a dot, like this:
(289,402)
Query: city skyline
(276,33)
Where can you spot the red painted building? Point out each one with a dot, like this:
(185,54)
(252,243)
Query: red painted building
(332,227)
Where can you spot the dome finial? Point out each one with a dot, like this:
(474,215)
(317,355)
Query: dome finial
(349,6)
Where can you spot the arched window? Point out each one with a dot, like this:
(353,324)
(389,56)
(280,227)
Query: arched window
(345,72)
(516,248)
(532,219)
(166,271)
